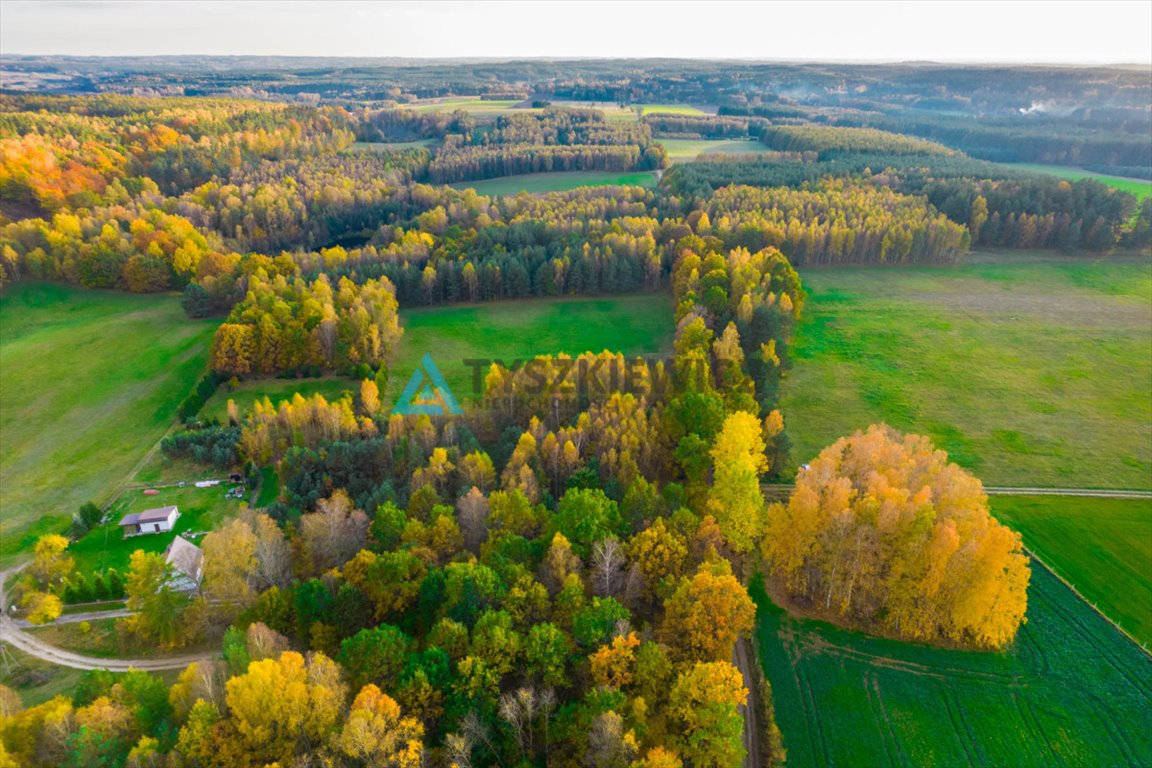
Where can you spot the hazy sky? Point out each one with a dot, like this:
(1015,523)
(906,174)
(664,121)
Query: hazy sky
(1004,31)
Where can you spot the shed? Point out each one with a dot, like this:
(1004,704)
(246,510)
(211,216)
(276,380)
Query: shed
(156,520)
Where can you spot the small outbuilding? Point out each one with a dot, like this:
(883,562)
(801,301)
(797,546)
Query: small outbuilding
(187,561)
(156,520)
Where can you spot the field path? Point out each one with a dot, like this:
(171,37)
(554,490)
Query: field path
(777,490)
(11,633)
(742,658)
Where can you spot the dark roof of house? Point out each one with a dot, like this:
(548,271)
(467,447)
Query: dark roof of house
(148,516)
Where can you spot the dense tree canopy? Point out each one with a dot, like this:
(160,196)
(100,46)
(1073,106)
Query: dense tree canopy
(882,530)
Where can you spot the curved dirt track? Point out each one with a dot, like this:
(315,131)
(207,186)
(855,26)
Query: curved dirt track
(16,637)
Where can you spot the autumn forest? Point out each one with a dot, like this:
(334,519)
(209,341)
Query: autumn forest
(568,571)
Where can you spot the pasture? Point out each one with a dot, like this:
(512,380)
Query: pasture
(1141,188)
(90,380)
(687,150)
(557,182)
(512,330)
(106,547)
(1103,547)
(1029,370)
(1071,690)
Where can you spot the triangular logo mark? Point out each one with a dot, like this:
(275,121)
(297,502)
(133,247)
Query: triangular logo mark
(427,393)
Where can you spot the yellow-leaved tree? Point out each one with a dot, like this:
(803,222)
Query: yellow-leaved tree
(738,462)
(884,531)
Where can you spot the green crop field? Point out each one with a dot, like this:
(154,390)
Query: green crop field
(521,329)
(687,150)
(1139,187)
(106,547)
(670,109)
(91,380)
(1103,547)
(1028,370)
(1070,691)
(557,182)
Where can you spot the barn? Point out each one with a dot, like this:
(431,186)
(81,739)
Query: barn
(156,520)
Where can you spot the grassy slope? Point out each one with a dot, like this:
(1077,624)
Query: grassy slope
(1103,547)
(1028,371)
(521,329)
(1070,691)
(687,150)
(558,181)
(1138,187)
(90,381)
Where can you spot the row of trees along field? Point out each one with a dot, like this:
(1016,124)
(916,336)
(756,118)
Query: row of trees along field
(292,325)
(1080,140)
(827,141)
(552,140)
(1000,207)
(669,126)
(836,222)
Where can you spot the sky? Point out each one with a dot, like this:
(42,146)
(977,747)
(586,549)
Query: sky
(1048,31)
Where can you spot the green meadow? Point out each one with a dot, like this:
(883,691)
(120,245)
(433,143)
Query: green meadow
(1071,690)
(670,109)
(1029,370)
(1103,547)
(687,150)
(91,380)
(1141,188)
(557,182)
(514,330)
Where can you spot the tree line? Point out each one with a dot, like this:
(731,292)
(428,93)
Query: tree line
(285,325)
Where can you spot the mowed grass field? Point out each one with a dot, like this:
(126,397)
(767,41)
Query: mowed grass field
(89,381)
(687,150)
(512,330)
(1070,691)
(1139,187)
(1028,370)
(557,182)
(200,510)
(1103,547)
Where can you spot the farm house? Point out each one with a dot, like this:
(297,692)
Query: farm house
(187,561)
(157,520)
